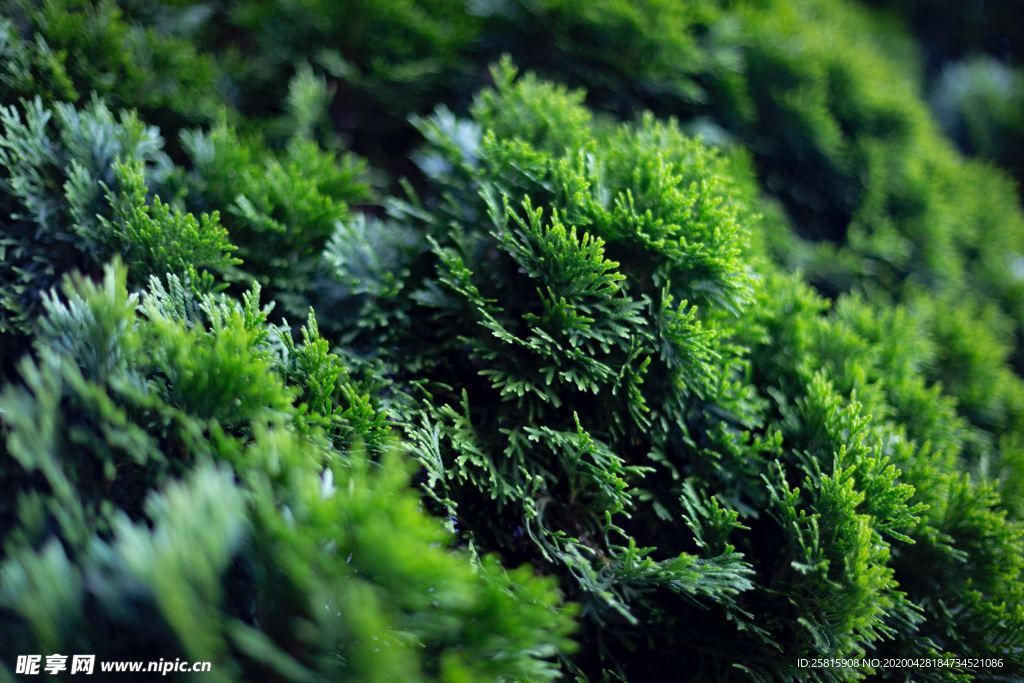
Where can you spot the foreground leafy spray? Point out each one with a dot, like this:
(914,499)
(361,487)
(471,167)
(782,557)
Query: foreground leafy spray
(640,444)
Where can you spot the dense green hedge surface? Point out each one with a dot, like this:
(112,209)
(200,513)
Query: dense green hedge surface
(186,508)
(861,169)
(709,365)
(190,480)
(622,387)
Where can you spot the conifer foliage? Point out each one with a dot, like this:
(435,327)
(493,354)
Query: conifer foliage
(670,346)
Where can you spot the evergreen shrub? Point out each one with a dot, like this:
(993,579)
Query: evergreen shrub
(676,343)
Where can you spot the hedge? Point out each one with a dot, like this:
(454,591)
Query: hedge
(432,340)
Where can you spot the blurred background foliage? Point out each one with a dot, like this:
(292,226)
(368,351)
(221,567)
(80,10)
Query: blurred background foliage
(708,312)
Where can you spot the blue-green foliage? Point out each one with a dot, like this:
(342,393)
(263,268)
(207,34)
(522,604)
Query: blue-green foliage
(979,101)
(74,191)
(721,353)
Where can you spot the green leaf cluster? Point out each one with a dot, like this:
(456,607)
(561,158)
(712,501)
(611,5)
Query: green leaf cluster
(199,484)
(616,383)
(691,349)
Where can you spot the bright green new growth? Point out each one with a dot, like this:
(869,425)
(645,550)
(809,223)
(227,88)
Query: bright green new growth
(606,348)
(277,555)
(640,445)
(279,208)
(193,477)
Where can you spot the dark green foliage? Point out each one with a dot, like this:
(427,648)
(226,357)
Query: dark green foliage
(72,50)
(280,208)
(595,368)
(717,358)
(74,192)
(970,59)
(980,103)
(276,556)
(956,29)
(873,191)
(389,57)
(862,164)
